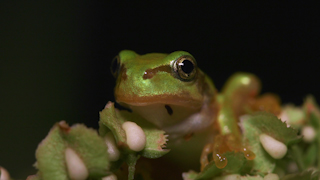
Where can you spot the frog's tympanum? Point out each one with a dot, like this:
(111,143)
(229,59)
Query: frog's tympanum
(171,92)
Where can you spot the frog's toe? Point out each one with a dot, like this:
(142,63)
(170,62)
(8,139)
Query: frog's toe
(222,144)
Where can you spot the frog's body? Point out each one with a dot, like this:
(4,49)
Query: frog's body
(170,91)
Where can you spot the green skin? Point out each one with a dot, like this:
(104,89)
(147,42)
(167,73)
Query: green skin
(146,83)
(132,88)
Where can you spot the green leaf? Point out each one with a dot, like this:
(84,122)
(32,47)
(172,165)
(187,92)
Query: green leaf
(110,121)
(156,139)
(296,154)
(269,124)
(310,154)
(263,122)
(50,156)
(90,147)
(263,162)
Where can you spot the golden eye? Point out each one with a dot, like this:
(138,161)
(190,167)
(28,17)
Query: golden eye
(115,66)
(185,67)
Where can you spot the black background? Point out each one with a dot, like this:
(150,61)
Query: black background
(55,56)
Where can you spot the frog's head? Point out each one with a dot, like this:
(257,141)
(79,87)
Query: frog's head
(156,81)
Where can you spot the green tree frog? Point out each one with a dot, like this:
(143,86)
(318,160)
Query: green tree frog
(170,91)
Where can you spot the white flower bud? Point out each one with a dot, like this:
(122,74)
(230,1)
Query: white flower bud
(308,133)
(112,147)
(4,174)
(136,139)
(275,148)
(76,168)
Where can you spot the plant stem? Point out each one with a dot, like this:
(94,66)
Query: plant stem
(131,161)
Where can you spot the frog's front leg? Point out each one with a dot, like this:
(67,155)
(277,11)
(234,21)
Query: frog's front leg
(236,97)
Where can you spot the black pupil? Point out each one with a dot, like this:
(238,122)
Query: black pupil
(187,66)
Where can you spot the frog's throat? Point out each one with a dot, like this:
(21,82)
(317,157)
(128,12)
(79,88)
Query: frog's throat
(179,120)
(196,122)
(164,115)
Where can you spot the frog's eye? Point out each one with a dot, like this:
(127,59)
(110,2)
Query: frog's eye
(115,66)
(185,67)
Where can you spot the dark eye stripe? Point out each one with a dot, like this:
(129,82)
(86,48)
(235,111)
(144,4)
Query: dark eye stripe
(149,73)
